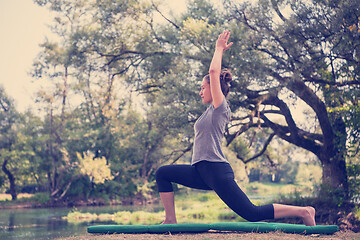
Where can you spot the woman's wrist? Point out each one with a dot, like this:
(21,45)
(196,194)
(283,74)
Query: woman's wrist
(219,50)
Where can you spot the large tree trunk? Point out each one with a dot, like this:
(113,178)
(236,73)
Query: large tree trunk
(11,180)
(334,162)
(334,174)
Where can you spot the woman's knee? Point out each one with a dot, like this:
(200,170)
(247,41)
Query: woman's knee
(258,213)
(251,216)
(164,185)
(161,172)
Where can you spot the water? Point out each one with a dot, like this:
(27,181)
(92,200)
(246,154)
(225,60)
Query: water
(48,223)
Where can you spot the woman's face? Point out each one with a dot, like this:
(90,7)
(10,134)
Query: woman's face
(205,92)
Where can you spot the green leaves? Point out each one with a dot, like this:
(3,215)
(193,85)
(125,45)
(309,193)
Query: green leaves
(96,169)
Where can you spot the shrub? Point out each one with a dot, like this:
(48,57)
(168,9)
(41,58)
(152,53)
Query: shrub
(41,198)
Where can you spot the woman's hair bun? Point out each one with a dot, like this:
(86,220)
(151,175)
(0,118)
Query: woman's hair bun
(225,80)
(226,75)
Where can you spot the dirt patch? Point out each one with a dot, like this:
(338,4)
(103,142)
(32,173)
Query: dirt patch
(342,235)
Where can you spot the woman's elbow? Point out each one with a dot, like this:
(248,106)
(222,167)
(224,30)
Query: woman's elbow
(214,71)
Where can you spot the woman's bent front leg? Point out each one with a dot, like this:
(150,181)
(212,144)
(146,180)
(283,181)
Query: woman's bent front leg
(185,175)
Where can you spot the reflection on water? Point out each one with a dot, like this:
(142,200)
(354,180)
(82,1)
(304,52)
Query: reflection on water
(35,224)
(48,223)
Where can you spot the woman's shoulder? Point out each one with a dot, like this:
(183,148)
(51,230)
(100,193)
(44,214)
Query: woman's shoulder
(224,106)
(222,112)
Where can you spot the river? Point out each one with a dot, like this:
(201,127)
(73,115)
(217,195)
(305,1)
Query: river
(48,223)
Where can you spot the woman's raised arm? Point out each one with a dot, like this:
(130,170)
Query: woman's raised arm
(215,68)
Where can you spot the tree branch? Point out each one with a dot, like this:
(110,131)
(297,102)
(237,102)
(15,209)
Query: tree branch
(167,19)
(3,106)
(303,141)
(182,153)
(309,97)
(266,144)
(277,10)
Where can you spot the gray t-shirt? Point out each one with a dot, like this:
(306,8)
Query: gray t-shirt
(209,131)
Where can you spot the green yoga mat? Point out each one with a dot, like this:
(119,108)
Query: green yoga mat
(202,227)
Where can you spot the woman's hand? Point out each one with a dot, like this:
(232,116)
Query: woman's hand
(222,40)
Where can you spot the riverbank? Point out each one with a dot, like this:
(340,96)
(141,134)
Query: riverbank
(194,205)
(342,235)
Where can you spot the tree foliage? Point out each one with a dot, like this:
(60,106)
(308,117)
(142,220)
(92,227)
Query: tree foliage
(112,54)
(95,168)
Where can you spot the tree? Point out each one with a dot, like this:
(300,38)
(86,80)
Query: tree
(102,45)
(59,63)
(8,118)
(30,148)
(116,41)
(310,53)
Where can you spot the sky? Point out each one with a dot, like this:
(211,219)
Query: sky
(23,26)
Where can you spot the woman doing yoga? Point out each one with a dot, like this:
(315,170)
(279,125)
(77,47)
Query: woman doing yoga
(209,169)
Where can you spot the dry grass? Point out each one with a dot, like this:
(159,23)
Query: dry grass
(6,196)
(220,235)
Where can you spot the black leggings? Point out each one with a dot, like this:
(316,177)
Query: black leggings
(217,176)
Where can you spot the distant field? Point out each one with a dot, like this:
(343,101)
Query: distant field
(265,189)
(7,197)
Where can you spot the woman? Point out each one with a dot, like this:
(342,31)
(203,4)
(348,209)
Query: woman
(209,169)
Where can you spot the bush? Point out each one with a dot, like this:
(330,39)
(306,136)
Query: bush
(206,197)
(41,198)
(353,172)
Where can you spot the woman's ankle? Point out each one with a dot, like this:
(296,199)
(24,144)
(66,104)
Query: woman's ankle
(169,222)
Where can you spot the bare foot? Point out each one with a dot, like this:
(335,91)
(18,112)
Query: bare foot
(309,216)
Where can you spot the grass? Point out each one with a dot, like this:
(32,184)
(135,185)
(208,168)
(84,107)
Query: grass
(21,196)
(195,207)
(275,189)
(357,212)
(24,200)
